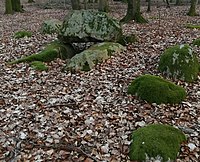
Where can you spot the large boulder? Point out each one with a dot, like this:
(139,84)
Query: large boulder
(97,53)
(154,89)
(179,62)
(156,142)
(89,26)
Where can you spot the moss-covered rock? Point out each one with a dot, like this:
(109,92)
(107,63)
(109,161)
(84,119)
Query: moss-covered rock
(156,142)
(38,65)
(89,26)
(154,89)
(21,34)
(179,62)
(51,26)
(97,53)
(196,42)
(50,53)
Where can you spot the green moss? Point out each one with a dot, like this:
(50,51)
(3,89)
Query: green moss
(126,39)
(192,26)
(154,89)
(38,65)
(179,62)
(21,34)
(196,42)
(156,141)
(50,53)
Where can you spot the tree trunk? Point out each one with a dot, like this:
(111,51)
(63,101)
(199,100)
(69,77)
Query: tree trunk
(75,4)
(178,2)
(133,12)
(103,5)
(192,10)
(149,6)
(8,5)
(167,1)
(16,6)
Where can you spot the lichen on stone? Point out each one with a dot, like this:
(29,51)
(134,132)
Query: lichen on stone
(179,62)
(154,89)
(82,25)
(97,53)
(156,142)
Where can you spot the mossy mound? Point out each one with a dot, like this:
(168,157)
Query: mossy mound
(156,142)
(51,26)
(50,53)
(154,89)
(38,65)
(22,34)
(84,26)
(196,42)
(97,53)
(179,62)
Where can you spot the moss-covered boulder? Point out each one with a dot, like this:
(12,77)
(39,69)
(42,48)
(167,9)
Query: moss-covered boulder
(196,42)
(156,142)
(89,26)
(51,52)
(38,65)
(51,26)
(154,89)
(22,34)
(179,62)
(97,53)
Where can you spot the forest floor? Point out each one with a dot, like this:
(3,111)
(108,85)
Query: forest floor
(58,116)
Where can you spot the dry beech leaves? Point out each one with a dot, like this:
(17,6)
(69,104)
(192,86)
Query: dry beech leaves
(49,116)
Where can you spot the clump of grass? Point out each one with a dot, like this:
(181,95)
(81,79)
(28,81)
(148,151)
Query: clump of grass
(156,142)
(38,65)
(22,34)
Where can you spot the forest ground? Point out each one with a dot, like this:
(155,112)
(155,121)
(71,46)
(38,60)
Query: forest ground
(58,116)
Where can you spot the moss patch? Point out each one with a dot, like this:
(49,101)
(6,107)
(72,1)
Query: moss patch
(38,65)
(196,42)
(22,34)
(97,53)
(179,62)
(156,141)
(127,39)
(192,26)
(154,89)
(51,52)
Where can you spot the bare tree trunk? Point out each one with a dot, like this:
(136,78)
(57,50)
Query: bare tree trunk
(8,5)
(16,6)
(75,4)
(149,6)
(192,10)
(133,12)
